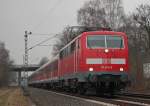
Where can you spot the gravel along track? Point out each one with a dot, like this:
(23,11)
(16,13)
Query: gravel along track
(49,98)
(135,99)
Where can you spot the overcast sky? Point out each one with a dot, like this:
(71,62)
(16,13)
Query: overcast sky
(43,17)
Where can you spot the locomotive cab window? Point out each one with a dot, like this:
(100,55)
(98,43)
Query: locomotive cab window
(104,41)
(96,41)
(114,42)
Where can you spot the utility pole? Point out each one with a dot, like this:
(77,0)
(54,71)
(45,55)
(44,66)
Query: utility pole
(25,56)
(25,74)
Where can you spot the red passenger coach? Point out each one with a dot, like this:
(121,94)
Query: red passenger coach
(94,59)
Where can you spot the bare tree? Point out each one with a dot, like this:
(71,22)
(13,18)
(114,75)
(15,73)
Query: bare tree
(102,13)
(137,28)
(65,37)
(92,14)
(142,17)
(5,65)
(62,40)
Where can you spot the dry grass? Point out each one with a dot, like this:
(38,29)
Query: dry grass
(4,94)
(17,99)
(3,100)
(13,97)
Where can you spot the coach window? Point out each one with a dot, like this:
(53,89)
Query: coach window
(66,51)
(69,49)
(60,55)
(63,53)
(53,66)
(56,65)
(73,45)
(78,44)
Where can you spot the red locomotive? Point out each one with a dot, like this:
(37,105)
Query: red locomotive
(94,59)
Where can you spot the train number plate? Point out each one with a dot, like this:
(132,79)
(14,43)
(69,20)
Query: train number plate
(106,61)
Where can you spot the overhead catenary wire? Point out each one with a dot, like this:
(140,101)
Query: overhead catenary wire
(38,44)
(45,45)
(48,14)
(43,34)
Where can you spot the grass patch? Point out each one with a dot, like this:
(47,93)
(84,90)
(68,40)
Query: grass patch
(3,99)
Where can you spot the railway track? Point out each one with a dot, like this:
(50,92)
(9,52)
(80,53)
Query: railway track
(138,95)
(102,100)
(128,100)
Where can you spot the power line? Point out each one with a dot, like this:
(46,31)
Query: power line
(45,45)
(39,34)
(48,14)
(38,44)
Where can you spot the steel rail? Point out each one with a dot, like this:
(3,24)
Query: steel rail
(138,95)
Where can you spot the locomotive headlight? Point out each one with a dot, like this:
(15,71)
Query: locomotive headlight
(90,69)
(121,69)
(106,50)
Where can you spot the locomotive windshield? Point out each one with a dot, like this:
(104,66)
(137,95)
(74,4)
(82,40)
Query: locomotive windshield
(104,41)
(96,41)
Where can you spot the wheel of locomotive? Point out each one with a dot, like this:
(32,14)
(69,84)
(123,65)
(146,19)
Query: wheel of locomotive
(112,93)
(67,89)
(74,90)
(82,89)
(99,92)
